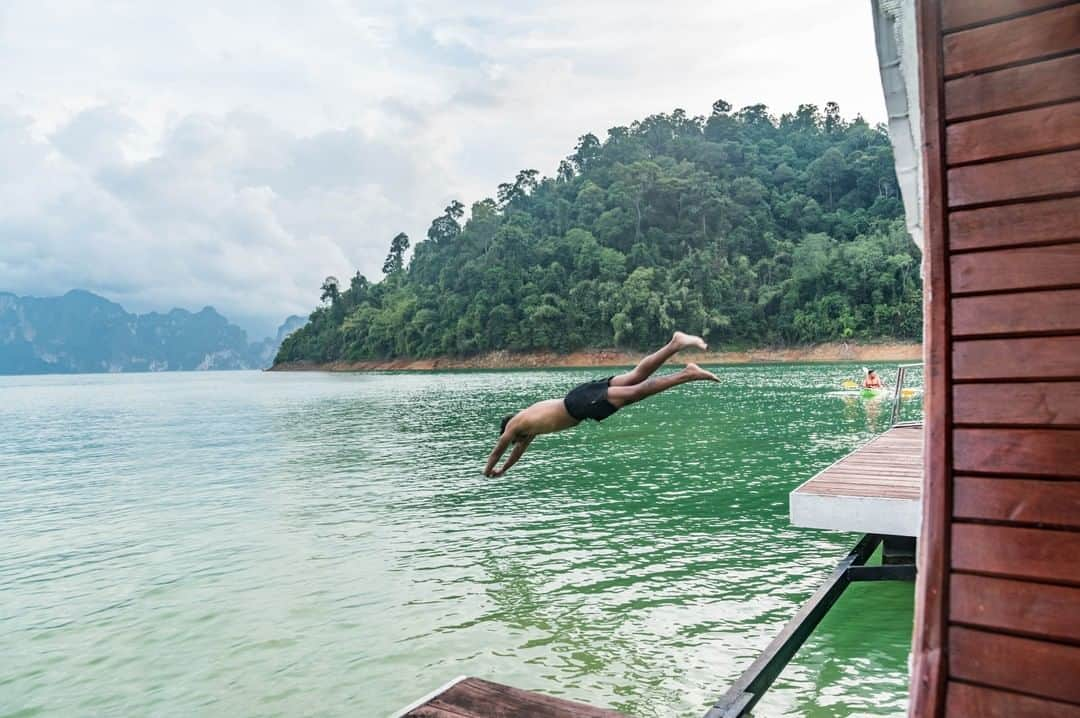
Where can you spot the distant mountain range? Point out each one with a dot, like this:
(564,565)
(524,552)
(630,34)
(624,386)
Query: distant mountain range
(83,332)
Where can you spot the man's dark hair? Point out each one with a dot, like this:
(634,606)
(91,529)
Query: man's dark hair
(505,420)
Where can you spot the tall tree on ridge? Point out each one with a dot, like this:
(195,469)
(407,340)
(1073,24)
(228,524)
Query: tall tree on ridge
(395,259)
(330,290)
(446,227)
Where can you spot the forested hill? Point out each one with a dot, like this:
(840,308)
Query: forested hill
(749,229)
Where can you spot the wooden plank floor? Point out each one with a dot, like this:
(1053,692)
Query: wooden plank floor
(874,489)
(477,698)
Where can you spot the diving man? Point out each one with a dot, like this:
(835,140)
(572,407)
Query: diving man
(595,400)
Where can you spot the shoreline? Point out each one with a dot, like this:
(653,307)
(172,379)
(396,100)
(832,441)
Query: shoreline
(827,352)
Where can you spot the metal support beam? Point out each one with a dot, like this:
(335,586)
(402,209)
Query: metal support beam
(896,572)
(755,680)
(898,550)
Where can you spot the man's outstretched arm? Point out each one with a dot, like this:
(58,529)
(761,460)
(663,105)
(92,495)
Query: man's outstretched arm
(500,448)
(514,456)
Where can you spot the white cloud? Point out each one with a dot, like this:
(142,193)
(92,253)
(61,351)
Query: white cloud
(164,154)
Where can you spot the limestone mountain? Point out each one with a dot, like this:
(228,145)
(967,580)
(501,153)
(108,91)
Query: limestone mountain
(83,332)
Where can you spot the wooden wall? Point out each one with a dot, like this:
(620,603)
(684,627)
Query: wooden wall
(998,600)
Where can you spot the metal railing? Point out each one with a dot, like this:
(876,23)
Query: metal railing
(898,393)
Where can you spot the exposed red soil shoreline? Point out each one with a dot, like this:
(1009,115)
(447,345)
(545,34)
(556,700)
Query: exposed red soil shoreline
(890,351)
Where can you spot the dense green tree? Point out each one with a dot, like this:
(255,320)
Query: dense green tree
(749,229)
(588,149)
(395,259)
(330,291)
(446,227)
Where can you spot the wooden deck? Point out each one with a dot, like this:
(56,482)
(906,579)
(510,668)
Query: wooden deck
(874,489)
(477,698)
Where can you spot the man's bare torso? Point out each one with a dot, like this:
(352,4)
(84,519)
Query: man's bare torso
(543,417)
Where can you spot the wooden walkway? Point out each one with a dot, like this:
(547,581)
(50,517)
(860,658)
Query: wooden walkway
(874,489)
(477,698)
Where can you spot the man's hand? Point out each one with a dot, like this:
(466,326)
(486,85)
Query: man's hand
(504,442)
(497,452)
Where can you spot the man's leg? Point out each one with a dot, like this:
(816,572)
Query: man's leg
(621,396)
(654,361)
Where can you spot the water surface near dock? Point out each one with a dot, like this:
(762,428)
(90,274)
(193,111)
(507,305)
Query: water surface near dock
(283,544)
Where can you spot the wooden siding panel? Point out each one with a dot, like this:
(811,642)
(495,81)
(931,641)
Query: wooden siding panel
(1025,268)
(1043,452)
(1026,358)
(1023,178)
(957,13)
(1014,88)
(1032,501)
(1041,668)
(1008,75)
(929,645)
(1039,610)
(1018,133)
(1040,403)
(968,701)
(1020,313)
(1018,40)
(1025,223)
(1014,552)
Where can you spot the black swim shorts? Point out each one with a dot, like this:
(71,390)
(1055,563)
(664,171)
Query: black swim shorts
(589,400)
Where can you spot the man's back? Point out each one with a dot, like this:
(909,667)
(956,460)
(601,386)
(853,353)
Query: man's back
(543,417)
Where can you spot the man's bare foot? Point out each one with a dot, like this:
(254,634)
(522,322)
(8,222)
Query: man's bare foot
(698,373)
(682,340)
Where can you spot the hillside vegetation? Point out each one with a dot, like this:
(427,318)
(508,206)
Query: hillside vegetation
(748,229)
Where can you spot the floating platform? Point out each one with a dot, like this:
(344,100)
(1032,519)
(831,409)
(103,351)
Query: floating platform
(477,698)
(874,489)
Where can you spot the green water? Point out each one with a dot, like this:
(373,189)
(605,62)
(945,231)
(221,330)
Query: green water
(304,544)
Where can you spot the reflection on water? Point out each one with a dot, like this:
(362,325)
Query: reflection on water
(267,544)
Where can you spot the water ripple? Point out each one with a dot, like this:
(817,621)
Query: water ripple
(266,544)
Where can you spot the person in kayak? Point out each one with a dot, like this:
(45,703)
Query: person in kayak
(872,380)
(595,400)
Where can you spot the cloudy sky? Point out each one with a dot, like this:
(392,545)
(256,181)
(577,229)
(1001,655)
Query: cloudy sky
(235,153)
